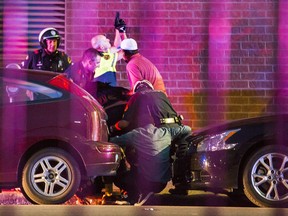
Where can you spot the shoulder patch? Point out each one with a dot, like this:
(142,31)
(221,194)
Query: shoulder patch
(106,56)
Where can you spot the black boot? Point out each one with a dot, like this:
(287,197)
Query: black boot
(180,189)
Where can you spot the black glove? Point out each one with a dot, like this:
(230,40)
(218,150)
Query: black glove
(119,23)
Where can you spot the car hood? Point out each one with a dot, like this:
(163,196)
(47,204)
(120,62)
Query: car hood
(267,119)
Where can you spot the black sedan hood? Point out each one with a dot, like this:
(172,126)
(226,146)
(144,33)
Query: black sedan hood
(267,119)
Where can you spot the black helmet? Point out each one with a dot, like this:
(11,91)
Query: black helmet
(48,33)
(142,85)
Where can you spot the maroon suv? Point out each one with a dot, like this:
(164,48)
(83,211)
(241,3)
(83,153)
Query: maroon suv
(53,136)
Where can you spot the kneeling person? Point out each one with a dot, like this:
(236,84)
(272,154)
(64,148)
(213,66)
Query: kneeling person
(151,124)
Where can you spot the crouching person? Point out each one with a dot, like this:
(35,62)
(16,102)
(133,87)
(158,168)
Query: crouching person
(151,124)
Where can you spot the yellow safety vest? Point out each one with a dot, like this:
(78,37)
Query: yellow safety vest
(107,64)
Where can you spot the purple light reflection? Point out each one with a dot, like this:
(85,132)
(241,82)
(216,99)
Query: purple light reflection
(219,58)
(282,73)
(15,25)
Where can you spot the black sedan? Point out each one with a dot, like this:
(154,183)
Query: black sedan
(53,136)
(249,156)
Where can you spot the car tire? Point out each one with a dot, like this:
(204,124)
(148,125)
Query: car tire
(264,177)
(51,176)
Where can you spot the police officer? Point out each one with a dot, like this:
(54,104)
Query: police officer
(82,72)
(152,124)
(48,58)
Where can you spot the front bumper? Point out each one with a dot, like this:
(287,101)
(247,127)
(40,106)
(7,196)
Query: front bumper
(219,169)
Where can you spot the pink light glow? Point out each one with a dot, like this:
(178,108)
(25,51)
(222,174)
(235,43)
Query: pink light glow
(282,82)
(219,56)
(15,25)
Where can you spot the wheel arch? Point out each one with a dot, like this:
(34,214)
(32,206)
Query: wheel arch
(50,143)
(260,195)
(260,143)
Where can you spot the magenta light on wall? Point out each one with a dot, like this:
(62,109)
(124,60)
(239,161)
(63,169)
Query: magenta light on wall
(219,56)
(15,25)
(282,72)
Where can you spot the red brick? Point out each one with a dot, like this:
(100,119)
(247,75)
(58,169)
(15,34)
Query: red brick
(175,36)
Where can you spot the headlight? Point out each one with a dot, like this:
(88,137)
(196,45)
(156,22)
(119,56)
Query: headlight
(217,142)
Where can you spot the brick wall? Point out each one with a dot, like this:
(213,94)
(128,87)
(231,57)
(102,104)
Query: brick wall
(219,59)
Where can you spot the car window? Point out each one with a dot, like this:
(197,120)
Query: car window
(13,91)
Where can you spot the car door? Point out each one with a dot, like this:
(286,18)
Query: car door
(19,98)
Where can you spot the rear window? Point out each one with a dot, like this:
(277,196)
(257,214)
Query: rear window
(13,91)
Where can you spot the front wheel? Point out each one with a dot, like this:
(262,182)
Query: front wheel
(51,176)
(265,178)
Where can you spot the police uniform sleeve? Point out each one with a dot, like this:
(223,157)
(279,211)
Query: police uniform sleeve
(67,62)
(130,109)
(27,63)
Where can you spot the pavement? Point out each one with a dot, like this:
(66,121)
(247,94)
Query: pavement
(196,203)
(194,198)
(15,197)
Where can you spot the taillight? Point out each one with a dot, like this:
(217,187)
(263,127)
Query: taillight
(98,115)
(61,81)
(107,148)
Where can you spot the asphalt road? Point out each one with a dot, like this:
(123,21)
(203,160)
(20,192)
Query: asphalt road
(194,198)
(197,203)
(67,210)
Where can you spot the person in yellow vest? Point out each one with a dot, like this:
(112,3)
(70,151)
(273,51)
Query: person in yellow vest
(111,54)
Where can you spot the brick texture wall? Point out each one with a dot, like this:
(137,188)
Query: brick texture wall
(219,59)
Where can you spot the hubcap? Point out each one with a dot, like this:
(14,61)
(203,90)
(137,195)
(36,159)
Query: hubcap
(269,176)
(51,176)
